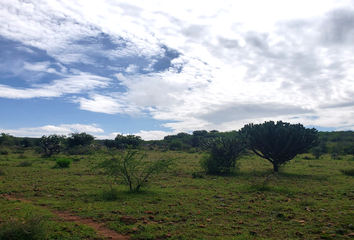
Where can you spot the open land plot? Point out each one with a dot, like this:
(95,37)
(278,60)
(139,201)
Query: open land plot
(308,199)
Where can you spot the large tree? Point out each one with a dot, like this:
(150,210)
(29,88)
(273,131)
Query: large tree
(127,141)
(82,139)
(279,142)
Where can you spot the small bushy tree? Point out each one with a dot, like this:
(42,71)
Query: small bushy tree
(133,168)
(123,142)
(77,139)
(279,142)
(51,144)
(223,153)
(317,152)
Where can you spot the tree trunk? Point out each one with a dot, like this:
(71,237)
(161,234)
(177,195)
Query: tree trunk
(275,167)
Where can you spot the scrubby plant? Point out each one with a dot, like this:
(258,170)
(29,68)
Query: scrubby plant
(51,144)
(223,153)
(279,142)
(2,172)
(62,163)
(133,168)
(4,152)
(81,150)
(110,194)
(349,172)
(25,164)
(23,229)
(317,152)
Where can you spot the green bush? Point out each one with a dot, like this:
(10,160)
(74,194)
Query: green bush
(349,172)
(62,163)
(192,150)
(223,154)
(23,229)
(82,150)
(4,152)
(111,194)
(133,168)
(25,164)
(2,172)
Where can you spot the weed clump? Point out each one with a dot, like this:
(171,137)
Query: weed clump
(62,163)
(25,164)
(2,172)
(348,172)
(111,194)
(23,229)
(4,152)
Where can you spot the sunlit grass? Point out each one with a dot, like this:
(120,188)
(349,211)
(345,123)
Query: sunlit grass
(185,203)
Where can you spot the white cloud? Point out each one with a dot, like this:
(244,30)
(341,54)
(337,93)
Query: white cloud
(238,61)
(153,135)
(69,85)
(62,129)
(106,104)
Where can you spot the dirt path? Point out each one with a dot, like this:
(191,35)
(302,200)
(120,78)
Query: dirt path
(99,227)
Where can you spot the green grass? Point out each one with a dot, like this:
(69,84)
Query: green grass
(303,201)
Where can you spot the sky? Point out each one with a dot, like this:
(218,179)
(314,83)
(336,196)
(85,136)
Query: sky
(155,68)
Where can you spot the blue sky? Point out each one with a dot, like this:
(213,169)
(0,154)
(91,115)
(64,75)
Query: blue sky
(156,68)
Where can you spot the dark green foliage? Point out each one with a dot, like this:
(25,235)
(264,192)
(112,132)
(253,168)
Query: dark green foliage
(129,141)
(81,150)
(62,163)
(7,140)
(25,164)
(317,152)
(132,167)
(51,144)
(109,143)
(26,142)
(23,229)
(4,152)
(175,146)
(200,133)
(349,172)
(77,139)
(279,142)
(110,194)
(2,172)
(223,154)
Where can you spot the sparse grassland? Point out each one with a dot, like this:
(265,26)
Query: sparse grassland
(309,199)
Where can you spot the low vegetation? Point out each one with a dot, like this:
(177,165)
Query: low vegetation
(153,192)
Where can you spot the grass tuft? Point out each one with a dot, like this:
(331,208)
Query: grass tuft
(25,164)
(348,172)
(26,229)
(62,163)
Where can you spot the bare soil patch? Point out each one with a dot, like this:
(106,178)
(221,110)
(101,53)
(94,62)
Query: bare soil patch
(69,217)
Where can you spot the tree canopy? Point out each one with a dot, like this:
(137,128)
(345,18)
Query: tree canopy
(279,142)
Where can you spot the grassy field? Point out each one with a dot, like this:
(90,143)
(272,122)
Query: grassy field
(309,199)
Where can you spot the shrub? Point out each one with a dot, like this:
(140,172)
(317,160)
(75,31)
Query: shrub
(62,163)
(4,152)
(2,172)
(317,152)
(81,150)
(111,194)
(132,167)
(192,150)
(223,154)
(51,144)
(22,156)
(349,172)
(19,229)
(25,164)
